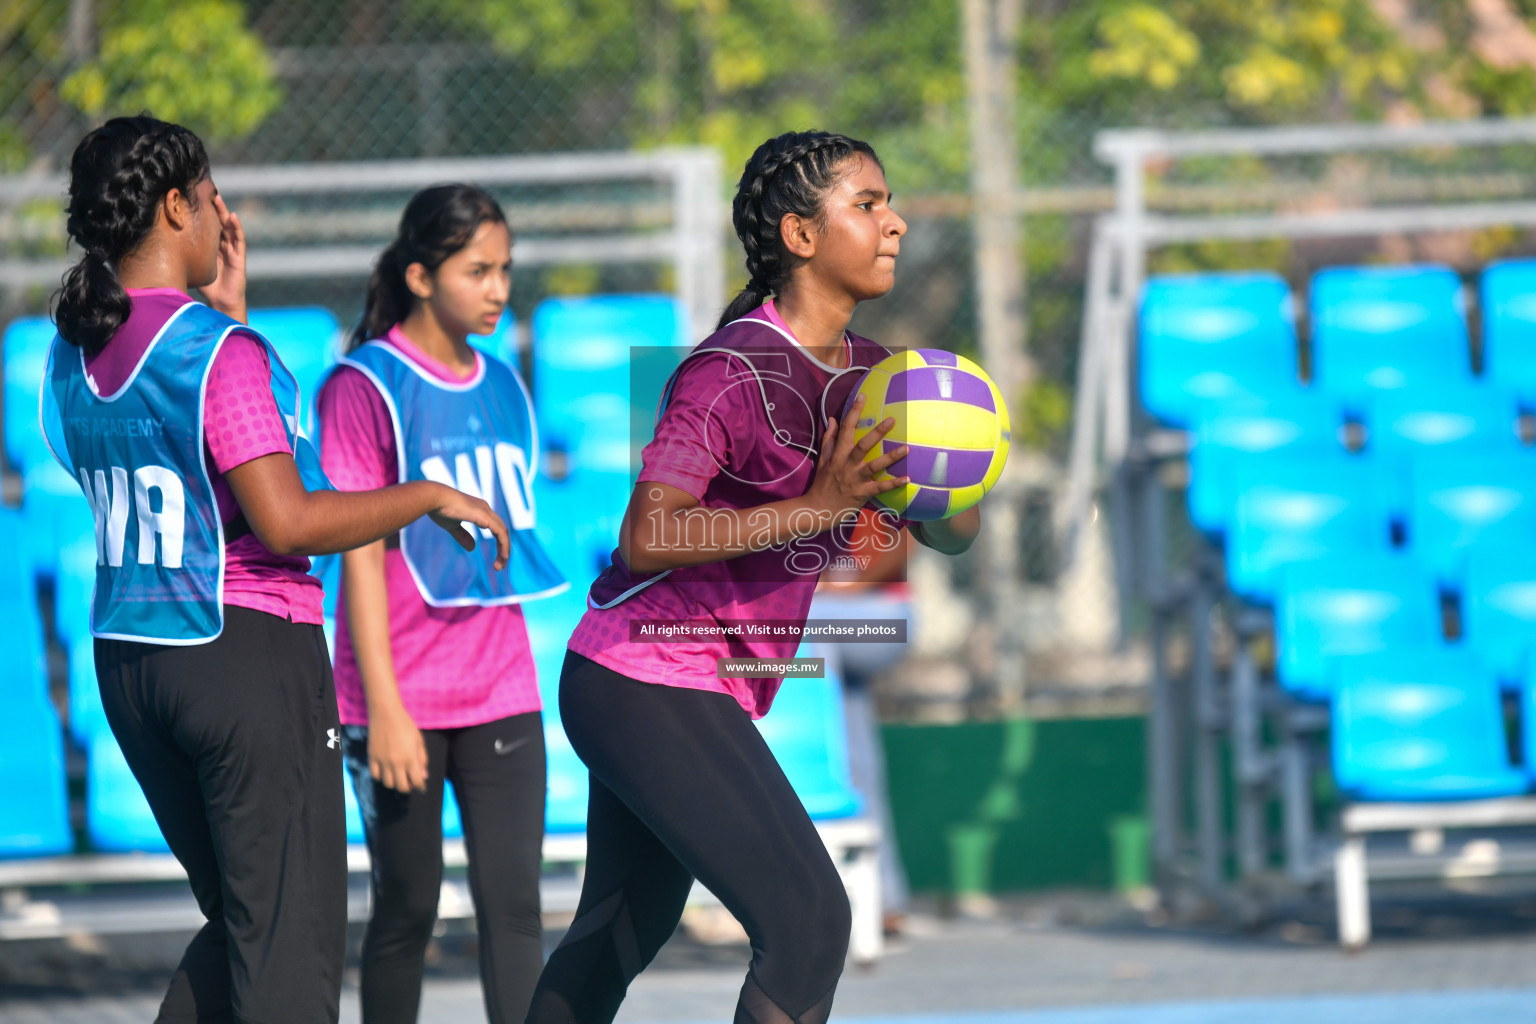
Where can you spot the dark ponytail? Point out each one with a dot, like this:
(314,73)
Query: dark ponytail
(118,177)
(437,222)
(789,174)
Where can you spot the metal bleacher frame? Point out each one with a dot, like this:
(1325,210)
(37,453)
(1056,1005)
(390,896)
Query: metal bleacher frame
(1118,449)
(56,896)
(694,243)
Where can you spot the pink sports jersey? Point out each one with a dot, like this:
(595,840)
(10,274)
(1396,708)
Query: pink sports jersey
(714,440)
(240,423)
(454,666)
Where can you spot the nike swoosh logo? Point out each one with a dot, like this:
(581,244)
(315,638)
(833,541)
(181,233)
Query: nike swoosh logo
(507,748)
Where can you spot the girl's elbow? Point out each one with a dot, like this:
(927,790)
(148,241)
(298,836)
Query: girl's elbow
(286,547)
(640,560)
(283,540)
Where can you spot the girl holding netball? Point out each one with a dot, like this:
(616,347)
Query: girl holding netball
(749,445)
(434,674)
(180,424)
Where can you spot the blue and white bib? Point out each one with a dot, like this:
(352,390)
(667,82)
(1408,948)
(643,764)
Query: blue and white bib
(480,437)
(138,455)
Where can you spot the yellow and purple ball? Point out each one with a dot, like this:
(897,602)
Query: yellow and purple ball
(953,421)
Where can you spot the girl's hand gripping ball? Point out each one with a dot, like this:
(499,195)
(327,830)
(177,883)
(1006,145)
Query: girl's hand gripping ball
(951,418)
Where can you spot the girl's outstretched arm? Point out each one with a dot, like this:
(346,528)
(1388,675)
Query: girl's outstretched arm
(666,528)
(291,520)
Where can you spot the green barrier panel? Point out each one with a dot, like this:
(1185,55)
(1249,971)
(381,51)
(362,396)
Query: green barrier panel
(1019,804)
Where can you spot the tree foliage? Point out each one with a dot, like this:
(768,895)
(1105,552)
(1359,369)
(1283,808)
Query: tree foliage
(194,62)
(191,62)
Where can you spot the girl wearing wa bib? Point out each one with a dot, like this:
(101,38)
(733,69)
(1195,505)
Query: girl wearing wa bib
(180,424)
(434,674)
(682,786)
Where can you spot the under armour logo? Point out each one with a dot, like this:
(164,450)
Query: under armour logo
(333,738)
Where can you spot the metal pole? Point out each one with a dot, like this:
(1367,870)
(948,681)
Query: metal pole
(990,34)
(1249,769)
(80,38)
(1161,756)
(700,245)
(1210,826)
(1088,411)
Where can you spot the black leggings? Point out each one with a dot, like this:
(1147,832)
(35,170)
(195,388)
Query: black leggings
(497,770)
(237,747)
(683,787)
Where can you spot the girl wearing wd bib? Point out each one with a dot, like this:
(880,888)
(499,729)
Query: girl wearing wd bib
(181,425)
(742,500)
(434,673)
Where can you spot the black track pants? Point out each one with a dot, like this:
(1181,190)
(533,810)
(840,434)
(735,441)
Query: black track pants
(497,770)
(683,787)
(237,746)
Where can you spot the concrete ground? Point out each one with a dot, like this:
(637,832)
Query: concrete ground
(1437,959)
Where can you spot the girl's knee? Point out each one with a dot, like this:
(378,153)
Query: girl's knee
(408,907)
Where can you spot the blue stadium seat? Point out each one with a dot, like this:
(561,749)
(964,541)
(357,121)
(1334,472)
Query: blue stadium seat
(307,339)
(57,514)
(74,588)
(1221,442)
(808,736)
(1295,505)
(1347,604)
(87,717)
(1498,602)
(1386,328)
(1528,719)
(501,343)
(355,833)
(565,809)
(550,622)
(453,825)
(34,816)
(23,674)
(58,519)
(1420,724)
(117,816)
(1211,338)
(578,521)
(1509,327)
(1404,423)
(1459,498)
(582,371)
(26,342)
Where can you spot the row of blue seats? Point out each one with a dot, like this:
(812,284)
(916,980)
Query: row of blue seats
(1353,603)
(1209,340)
(1357,505)
(1398,427)
(1308,502)
(1426,722)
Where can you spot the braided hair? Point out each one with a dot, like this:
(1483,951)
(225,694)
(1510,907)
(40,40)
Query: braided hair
(437,222)
(118,177)
(787,174)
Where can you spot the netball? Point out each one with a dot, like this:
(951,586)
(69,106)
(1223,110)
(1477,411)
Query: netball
(953,421)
